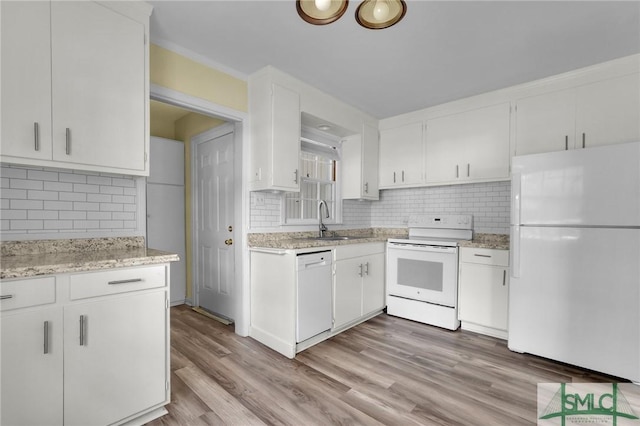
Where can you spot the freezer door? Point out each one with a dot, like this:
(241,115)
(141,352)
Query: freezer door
(576,297)
(594,186)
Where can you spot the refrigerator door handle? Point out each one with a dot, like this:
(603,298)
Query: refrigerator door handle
(514,253)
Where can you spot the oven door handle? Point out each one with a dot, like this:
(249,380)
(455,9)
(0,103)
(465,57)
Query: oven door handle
(422,248)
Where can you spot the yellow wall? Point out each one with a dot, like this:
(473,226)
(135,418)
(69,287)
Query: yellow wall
(173,71)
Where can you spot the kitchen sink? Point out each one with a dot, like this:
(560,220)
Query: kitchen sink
(334,238)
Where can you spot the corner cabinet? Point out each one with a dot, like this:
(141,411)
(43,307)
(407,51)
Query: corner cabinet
(401,156)
(470,146)
(275,135)
(90,348)
(483,291)
(74,85)
(359,287)
(360,165)
(600,113)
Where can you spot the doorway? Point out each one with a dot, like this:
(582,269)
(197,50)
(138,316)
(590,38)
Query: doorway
(213,218)
(236,120)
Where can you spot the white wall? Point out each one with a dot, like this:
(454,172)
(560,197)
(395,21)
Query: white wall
(47,203)
(487,202)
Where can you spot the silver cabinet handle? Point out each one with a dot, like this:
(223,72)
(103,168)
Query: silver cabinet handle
(132,280)
(584,143)
(46,337)
(468,169)
(366,187)
(6,296)
(67,147)
(566,142)
(481,255)
(394,177)
(366,268)
(82,325)
(457,171)
(36,136)
(504,277)
(295,176)
(360,273)
(403,176)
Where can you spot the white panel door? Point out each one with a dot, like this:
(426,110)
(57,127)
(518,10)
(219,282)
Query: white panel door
(98,86)
(120,366)
(545,123)
(608,111)
(215,274)
(25,122)
(31,371)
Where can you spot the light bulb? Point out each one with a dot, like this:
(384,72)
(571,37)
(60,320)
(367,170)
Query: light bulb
(380,10)
(323,4)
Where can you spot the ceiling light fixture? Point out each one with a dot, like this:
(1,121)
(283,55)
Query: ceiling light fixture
(379,14)
(372,14)
(321,12)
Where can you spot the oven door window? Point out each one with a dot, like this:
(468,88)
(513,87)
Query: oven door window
(429,276)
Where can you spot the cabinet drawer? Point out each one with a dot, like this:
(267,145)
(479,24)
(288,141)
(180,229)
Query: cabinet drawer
(484,256)
(24,293)
(356,250)
(92,284)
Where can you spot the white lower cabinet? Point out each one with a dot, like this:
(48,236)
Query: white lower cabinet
(359,282)
(101,358)
(483,290)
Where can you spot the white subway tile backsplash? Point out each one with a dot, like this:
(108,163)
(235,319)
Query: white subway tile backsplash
(53,201)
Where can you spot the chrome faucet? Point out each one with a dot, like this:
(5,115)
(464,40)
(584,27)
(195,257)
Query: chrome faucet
(321,227)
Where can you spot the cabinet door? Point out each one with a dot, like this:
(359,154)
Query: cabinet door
(401,156)
(25,122)
(608,112)
(469,145)
(483,295)
(370,150)
(545,123)
(347,295)
(120,367)
(31,370)
(99,91)
(373,290)
(286,138)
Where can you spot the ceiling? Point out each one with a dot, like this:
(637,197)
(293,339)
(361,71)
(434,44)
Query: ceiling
(440,51)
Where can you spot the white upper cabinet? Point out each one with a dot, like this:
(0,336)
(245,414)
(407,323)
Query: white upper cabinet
(26,79)
(401,156)
(469,146)
(360,165)
(275,136)
(593,114)
(75,85)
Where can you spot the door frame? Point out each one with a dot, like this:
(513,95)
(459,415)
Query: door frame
(240,120)
(196,140)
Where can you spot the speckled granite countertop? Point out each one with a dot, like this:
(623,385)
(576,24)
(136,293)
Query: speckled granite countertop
(489,241)
(22,259)
(300,240)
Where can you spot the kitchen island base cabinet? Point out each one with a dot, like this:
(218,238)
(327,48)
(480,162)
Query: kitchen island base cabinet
(86,348)
(483,293)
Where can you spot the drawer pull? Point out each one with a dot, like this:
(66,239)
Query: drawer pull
(133,280)
(82,325)
(6,296)
(46,337)
(481,255)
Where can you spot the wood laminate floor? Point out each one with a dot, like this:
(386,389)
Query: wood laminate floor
(386,371)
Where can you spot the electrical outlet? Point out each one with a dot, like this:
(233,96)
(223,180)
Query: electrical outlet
(259,199)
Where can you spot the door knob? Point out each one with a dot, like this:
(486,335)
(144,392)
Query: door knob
(229,241)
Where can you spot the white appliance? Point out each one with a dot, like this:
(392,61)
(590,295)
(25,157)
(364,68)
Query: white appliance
(314,313)
(575,247)
(422,271)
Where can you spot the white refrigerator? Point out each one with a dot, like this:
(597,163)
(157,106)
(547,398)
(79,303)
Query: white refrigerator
(575,267)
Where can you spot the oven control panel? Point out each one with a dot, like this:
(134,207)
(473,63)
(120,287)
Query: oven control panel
(444,221)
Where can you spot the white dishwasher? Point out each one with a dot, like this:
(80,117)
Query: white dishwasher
(313,307)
